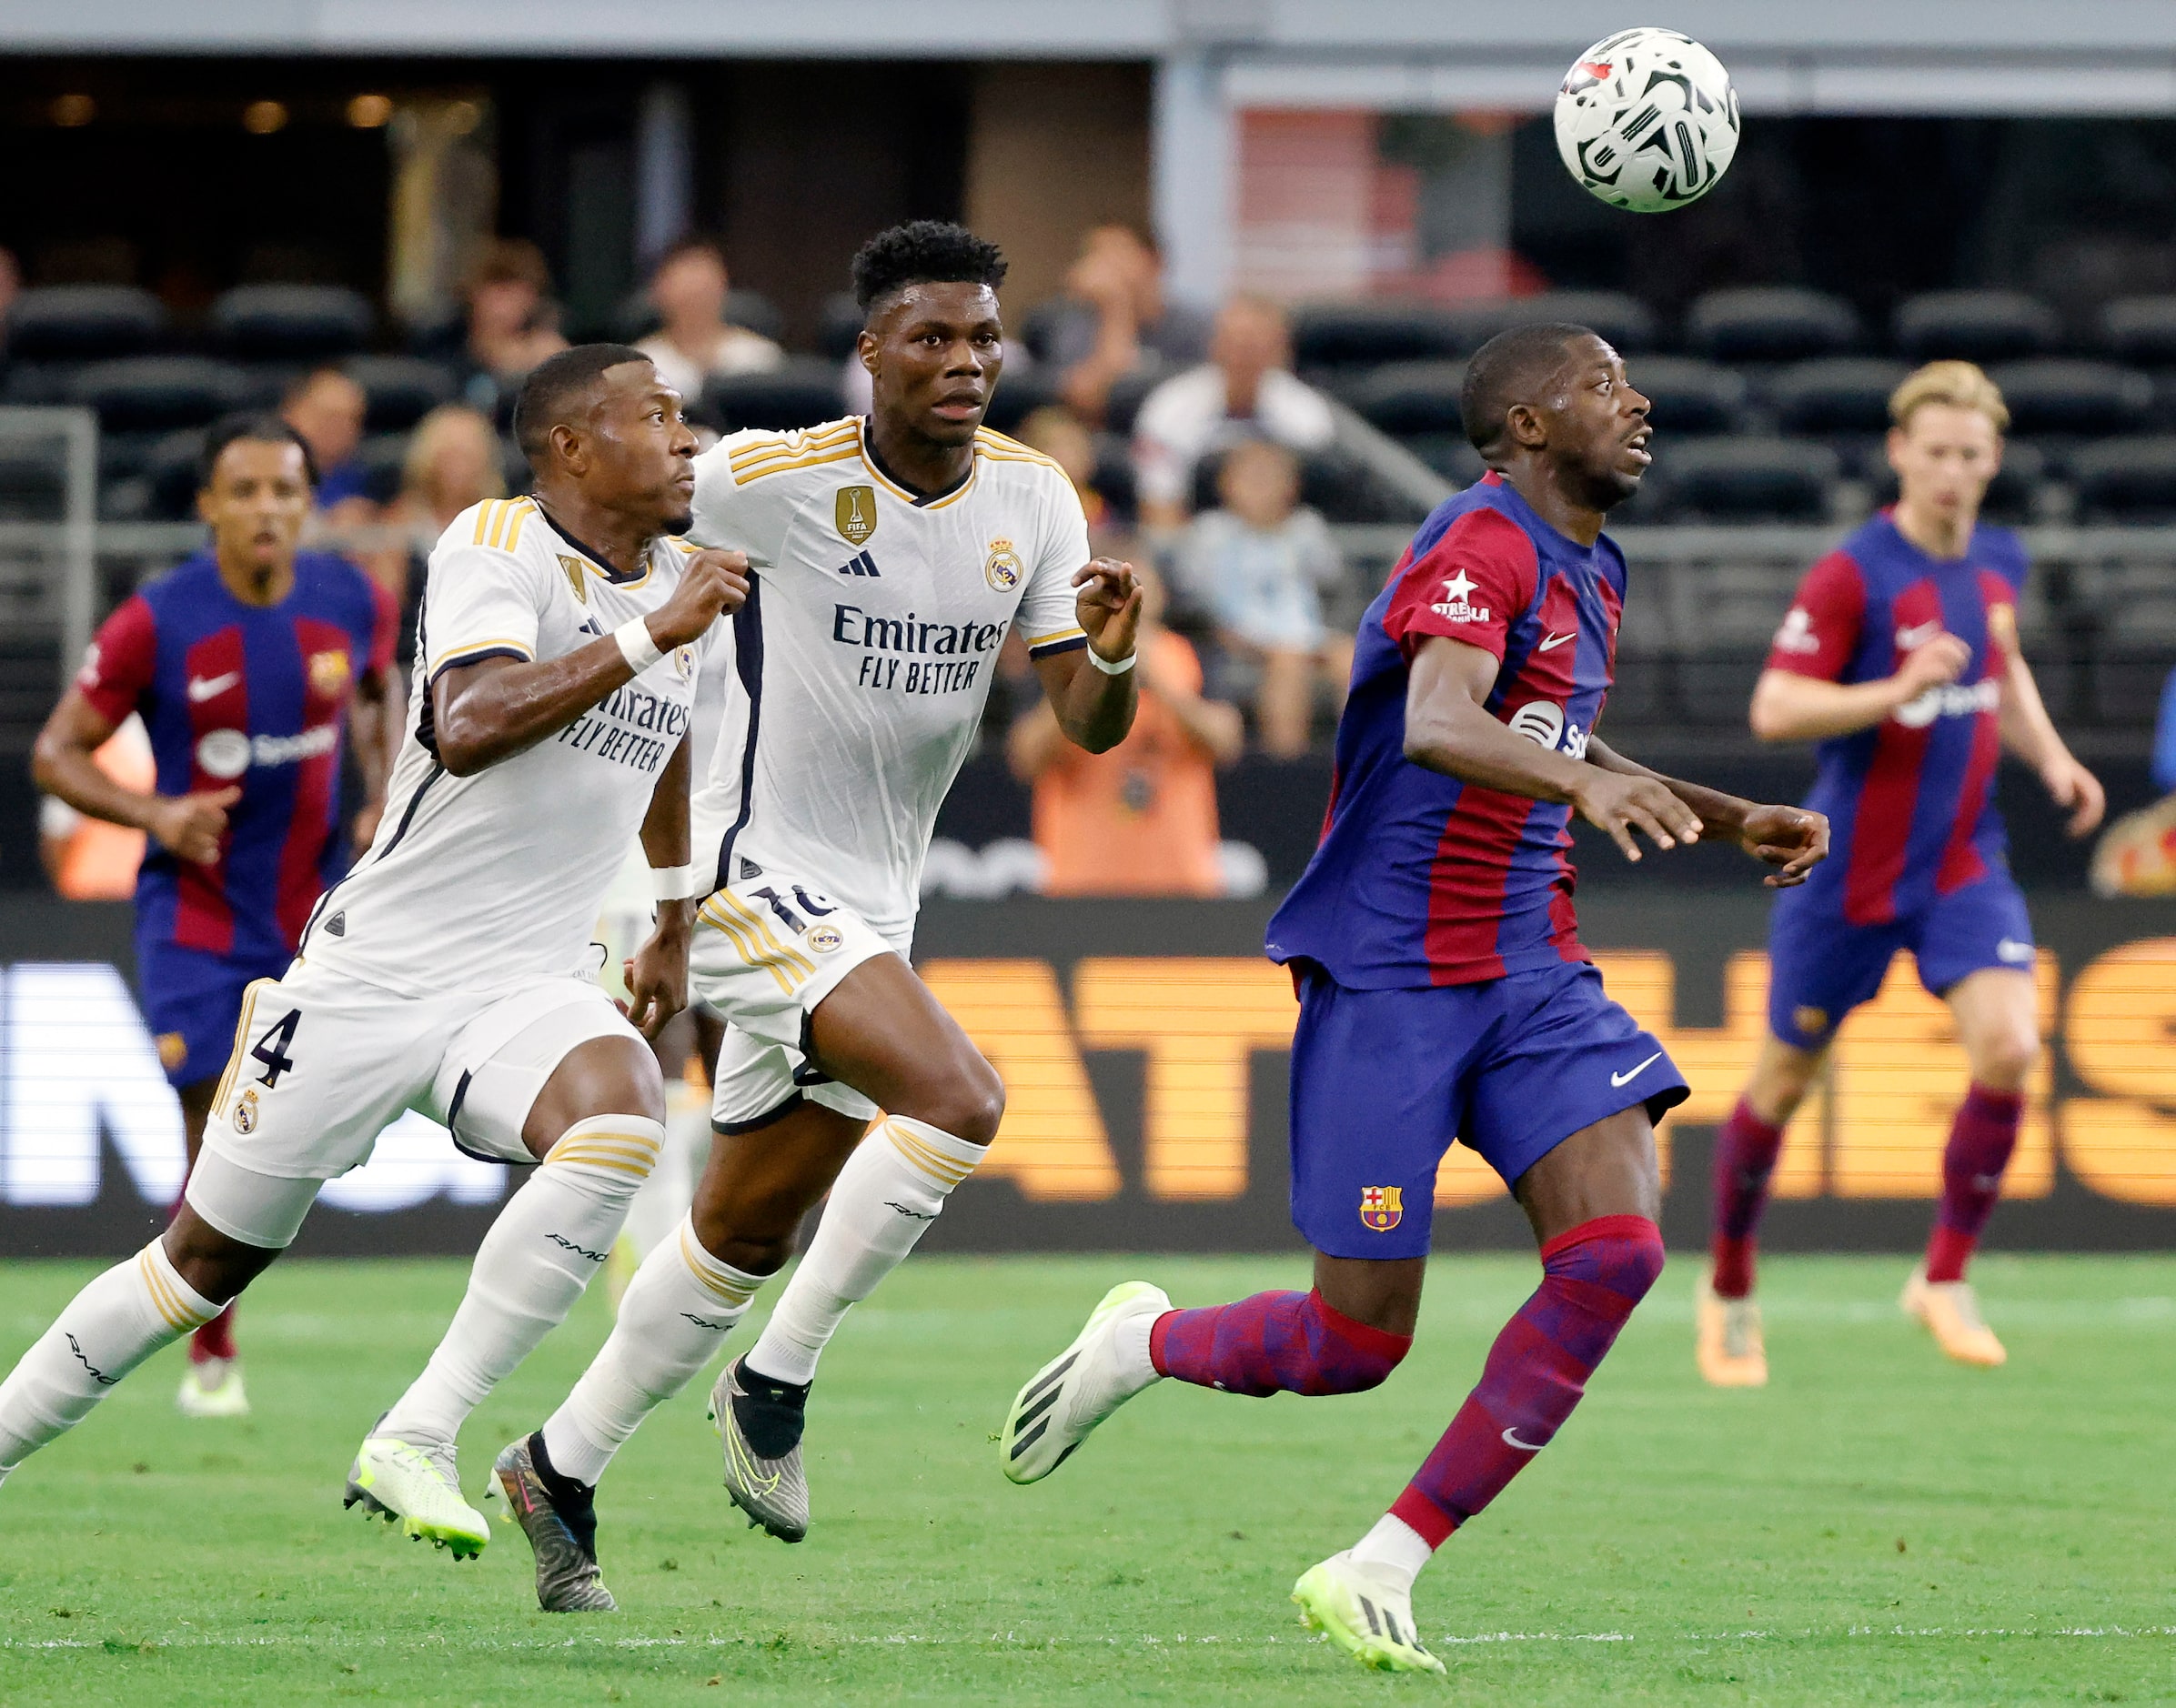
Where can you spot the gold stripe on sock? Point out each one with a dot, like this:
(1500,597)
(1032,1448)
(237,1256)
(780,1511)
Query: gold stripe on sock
(945,1170)
(693,1256)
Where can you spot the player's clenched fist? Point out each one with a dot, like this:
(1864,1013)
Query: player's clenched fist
(1793,840)
(713,584)
(1935,665)
(1110,607)
(192,826)
(1614,802)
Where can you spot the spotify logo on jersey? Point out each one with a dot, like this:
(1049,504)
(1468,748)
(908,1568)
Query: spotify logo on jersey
(223,753)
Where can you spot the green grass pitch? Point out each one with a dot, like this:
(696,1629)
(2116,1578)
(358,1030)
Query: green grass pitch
(1877,1527)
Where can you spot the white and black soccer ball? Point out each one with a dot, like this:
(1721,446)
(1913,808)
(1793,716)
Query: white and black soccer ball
(1647,120)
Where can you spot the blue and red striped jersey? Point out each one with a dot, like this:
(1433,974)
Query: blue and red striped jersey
(253,695)
(1910,802)
(1419,878)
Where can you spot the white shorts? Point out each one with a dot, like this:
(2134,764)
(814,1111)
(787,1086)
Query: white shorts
(322,1063)
(767,950)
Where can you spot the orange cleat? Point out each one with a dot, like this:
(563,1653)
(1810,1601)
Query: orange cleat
(1727,1339)
(1950,1311)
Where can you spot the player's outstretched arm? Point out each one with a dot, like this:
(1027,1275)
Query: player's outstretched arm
(657,973)
(1788,707)
(63,763)
(496,708)
(1448,729)
(2030,733)
(1791,838)
(1095,705)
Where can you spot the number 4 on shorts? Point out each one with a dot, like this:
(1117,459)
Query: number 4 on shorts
(272,1049)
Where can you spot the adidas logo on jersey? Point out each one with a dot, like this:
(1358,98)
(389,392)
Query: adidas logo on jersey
(861,564)
(749,869)
(336,926)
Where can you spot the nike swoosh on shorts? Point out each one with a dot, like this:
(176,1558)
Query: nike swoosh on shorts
(1626,1078)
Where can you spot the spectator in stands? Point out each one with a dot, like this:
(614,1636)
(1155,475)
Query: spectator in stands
(1060,435)
(326,407)
(1245,389)
(689,288)
(1257,568)
(1141,818)
(512,320)
(452,462)
(1115,318)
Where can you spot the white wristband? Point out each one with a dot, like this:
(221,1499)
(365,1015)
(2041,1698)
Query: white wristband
(675,883)
(636,646)
(1108,668)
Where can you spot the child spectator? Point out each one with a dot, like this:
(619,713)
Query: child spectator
(1258,568)
(1140,819)
(1059,435)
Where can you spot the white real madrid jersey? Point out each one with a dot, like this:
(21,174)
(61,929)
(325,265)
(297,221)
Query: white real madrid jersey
(862,659)
(481,881)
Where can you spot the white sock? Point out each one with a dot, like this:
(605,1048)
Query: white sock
(889,1190)
(553,1235)
(104,1332)
(1394,1549)
(677,1312)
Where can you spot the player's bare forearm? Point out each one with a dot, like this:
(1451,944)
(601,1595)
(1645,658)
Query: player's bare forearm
(1725,812)
(496,708)
(656,975)
(1095,710)
(665,835)
(1791,840)
(1454,733)
(1791,707)
(62,766)
(2026,729)
(369,730)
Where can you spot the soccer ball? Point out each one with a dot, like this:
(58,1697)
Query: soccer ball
(1647,120)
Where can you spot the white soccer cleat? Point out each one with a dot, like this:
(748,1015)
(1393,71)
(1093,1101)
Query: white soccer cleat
(1078,1389)
(415,1485)
(1365,1613)
(212,1388)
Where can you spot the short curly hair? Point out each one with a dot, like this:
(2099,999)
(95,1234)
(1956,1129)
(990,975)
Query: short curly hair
(923,252)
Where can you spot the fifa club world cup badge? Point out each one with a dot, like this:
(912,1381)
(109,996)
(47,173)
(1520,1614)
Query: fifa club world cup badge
(855,512)
(1382,1208)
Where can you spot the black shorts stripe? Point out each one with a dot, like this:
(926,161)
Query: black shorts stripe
(748,664)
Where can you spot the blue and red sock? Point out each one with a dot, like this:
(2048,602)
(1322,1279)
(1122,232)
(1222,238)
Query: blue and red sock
(1746,1147)
(1981,1140)
(1282,1342)
(1592,1277)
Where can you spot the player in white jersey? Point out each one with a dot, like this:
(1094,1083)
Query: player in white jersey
(449,971)
(893,556)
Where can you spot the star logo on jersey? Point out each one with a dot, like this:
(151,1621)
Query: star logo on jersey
(329,673)
(854,511)
(1457,604)
(1003,568)
(571,568)
(1382,1208)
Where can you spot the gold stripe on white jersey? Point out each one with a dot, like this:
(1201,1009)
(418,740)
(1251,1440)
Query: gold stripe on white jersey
(844,454)
(789,448)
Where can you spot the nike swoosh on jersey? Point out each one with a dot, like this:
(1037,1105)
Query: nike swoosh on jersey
(1555,640)
(1511,1439)
(1633,1073)
(1912,639)
(203,687)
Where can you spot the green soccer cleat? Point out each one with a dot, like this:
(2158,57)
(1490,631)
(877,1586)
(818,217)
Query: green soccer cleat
(562,1533)
(415,1485)
(212,1387)
(1369,1619)
(1077,1390)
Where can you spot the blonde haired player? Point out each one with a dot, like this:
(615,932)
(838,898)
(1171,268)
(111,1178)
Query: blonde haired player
(1899,655)
(894,554)
(450,971)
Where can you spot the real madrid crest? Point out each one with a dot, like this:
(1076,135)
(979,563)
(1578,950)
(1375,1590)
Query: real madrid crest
(244,1113)
(683,662)
(1001,570)
(856,514)
(573,567)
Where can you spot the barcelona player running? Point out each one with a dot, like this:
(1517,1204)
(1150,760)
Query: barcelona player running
(1444,989)
(245,662)
(1899,655)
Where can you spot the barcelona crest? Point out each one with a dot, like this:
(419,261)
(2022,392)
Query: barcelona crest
(1382,1208)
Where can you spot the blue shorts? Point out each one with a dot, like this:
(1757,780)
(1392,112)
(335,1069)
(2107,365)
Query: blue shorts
(1383,1080)
(191,1002)
(1820,968)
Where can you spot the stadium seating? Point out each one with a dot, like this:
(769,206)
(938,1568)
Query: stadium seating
(1410,400)
(84,323)
(1342,336)
(1626,321)
(1983,327)
(159,393)
(400,390)
(1770,324)
(839,326)
(800,394)
(2053,395)
(1689,395)
(291,323)
(1737,480)
(2126,480)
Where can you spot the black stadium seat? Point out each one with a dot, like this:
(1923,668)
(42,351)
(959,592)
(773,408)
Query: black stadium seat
(839,326)
(291,323)
(171,471)
(1983,327)
(1407,398)
(1018,396)
(84,323)
(401,389)
(2051,394)
(2141,330)
(1688,396)
(1361,334)
(2126,480)
(1750,479)
(1839,395)
(800,394)
(1626,321)
(159,394)
(1770,323)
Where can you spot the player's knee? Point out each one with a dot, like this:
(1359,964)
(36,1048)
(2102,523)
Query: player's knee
(1350,1357)
(967,1101)
(2003,1061)
(609,1156)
